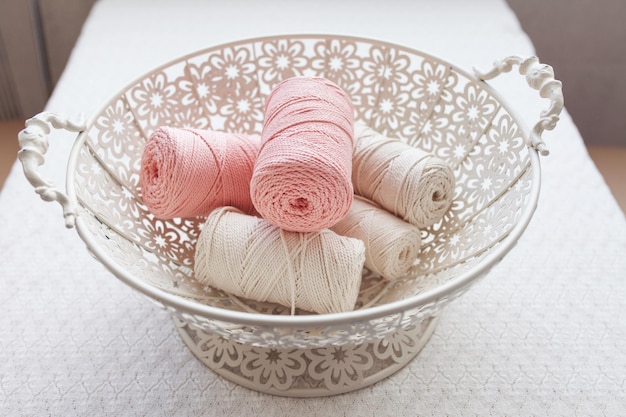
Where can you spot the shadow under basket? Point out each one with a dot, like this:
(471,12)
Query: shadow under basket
(399,92)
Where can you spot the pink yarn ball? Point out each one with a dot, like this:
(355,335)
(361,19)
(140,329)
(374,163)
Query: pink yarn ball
(302,176)
(189,172)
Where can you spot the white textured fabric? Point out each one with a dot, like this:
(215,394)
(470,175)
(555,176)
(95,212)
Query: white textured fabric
(542,334)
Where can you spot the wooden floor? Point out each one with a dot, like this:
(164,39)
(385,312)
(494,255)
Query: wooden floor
(611,161)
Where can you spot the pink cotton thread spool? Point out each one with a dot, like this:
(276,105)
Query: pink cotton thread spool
(190,172)
(302,176)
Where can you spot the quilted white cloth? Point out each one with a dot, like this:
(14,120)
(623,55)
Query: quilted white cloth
(542,334)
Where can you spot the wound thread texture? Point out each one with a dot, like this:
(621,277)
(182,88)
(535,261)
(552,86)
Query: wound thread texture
(302,176)
(406,181)
(190,172)
(391,244)
(249,257)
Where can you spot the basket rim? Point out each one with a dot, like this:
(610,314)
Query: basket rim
(439,293)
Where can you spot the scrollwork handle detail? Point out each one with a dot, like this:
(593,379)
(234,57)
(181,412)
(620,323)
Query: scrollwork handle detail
(539,77)
(33,142)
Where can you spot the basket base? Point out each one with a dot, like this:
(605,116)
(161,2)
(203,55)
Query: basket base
(314,372)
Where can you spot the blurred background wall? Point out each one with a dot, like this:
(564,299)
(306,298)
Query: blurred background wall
(36,39)
(584,40)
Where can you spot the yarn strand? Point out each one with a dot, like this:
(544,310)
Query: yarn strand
(291,273)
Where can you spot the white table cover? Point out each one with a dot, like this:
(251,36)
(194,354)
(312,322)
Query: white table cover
(542,334)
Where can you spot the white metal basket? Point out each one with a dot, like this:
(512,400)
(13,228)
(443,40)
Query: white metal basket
(399,92)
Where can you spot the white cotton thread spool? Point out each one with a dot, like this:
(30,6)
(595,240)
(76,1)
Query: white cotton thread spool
(408,182)
(249,257)
(391,244)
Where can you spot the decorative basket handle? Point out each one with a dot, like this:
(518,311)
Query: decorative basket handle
(33,142)
(539,77)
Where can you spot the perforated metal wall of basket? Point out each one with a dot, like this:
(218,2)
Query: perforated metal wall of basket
(402,93)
